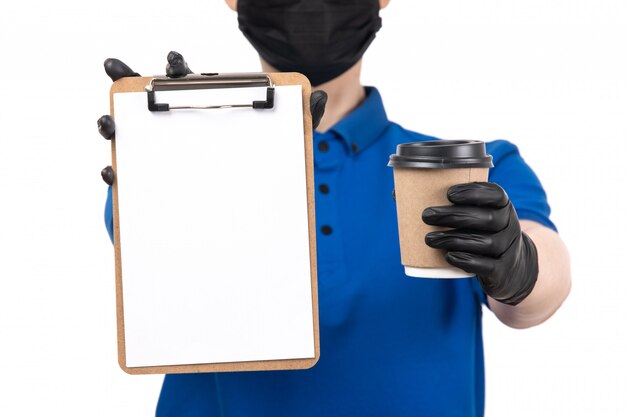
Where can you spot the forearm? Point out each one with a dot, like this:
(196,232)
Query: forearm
(553,282)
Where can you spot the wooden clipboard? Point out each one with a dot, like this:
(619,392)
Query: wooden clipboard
(139,84)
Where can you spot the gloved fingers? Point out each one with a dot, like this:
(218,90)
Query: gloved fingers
(318,105)
(492,244)
(487,194)
(467,217)
(106,126)
(108,175)
(116,69)
(472,263)
(176,65)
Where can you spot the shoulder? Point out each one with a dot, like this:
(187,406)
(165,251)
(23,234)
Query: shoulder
(507,157)
(501,148)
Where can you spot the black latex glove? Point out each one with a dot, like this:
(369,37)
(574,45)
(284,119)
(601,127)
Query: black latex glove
(486,239)
(176,67)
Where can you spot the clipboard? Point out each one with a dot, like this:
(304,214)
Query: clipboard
(150,87)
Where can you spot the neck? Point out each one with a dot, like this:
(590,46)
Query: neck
(345,93)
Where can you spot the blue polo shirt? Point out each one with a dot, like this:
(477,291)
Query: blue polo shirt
(390,345)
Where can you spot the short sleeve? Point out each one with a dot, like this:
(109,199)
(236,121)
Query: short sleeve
(108,213)
(519,181)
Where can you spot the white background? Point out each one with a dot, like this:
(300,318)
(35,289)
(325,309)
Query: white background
(547,75)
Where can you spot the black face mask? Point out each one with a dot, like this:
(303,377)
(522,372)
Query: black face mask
(319,38)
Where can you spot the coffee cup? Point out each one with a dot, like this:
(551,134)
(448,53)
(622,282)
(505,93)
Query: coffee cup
(423,172)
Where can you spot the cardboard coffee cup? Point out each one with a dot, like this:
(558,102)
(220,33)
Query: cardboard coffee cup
(423,172)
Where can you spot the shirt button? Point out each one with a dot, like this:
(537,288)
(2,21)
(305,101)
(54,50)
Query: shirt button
(355,148)
(323,146)
(327,230)
(324,189)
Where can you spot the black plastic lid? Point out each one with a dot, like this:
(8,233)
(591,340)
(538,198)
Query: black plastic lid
(441,154)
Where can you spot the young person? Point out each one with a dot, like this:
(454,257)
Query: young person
(390,345)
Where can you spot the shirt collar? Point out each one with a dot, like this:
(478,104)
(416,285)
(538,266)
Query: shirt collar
(365,123)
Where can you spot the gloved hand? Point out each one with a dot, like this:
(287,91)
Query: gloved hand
(176,67)
(486,239)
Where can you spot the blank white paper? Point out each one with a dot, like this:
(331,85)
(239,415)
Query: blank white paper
(213,228)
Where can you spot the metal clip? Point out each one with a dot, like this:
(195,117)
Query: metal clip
(211,80)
